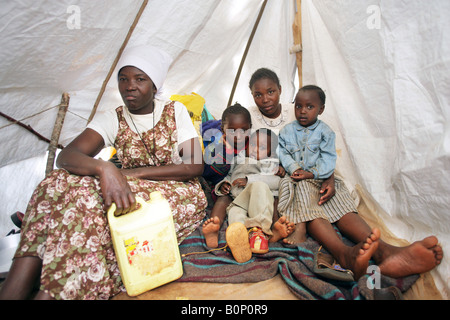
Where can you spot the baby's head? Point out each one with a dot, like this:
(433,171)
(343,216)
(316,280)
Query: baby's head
(236,123)
(309,104)
(263,144)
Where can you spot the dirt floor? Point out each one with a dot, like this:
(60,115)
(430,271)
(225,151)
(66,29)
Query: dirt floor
(272,289)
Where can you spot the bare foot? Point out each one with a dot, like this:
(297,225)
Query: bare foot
(357,259)
(298,236)
(281,229)
(420,256)
(210,230)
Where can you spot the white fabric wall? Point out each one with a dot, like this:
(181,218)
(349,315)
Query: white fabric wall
(41,57)
(208,47)
(387,84)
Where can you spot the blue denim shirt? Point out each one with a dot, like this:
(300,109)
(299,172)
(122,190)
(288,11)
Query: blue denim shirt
(310,148)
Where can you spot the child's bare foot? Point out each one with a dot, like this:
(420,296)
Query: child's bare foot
(298,236)
(420,256)
(210,230)
(281,229)
(357,259)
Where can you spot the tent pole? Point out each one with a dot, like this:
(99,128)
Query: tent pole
(63,106)
(236,80)
(28,127)
(297,48)
(116,60)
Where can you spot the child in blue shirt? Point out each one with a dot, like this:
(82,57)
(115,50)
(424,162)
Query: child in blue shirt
(307,152)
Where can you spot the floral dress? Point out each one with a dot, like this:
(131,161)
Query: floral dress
(66,225)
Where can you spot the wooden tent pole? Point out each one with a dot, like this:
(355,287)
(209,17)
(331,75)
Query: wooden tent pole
(63,106)
(236,80)
(116,60)
(297,49)
(28,127)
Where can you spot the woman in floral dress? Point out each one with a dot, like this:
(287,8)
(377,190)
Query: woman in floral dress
(65,238)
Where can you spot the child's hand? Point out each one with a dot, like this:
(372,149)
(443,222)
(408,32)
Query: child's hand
(240,182)
(327,191)
(281,172)
(301,174)
(225,188)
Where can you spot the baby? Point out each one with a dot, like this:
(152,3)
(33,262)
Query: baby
(252,183)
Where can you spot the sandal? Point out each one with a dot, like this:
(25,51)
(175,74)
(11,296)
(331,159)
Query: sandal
(259,241)
(326,266)
(237,240)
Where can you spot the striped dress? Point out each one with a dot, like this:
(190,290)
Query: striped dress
(298,201)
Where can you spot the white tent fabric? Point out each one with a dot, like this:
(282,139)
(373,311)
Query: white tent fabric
(382,63)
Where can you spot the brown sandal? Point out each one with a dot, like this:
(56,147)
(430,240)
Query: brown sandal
(326,266)
(237,240)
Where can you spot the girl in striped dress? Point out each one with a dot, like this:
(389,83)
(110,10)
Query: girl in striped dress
(307,152)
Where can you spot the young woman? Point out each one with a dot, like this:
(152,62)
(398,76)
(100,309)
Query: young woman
(269,113)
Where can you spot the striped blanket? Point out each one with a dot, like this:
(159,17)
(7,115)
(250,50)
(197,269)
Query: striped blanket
(294,263)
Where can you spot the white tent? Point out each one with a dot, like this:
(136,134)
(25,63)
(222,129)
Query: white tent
(383,64)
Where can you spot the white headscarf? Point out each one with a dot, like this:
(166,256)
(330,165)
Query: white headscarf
(153,61)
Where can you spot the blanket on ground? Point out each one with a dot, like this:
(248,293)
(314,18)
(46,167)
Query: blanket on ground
(295,263)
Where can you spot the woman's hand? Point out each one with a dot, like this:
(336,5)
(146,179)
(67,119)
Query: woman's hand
(78,158)
(115,189)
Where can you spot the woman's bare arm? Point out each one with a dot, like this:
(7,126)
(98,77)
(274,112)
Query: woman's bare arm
(191,167)
(78,158)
